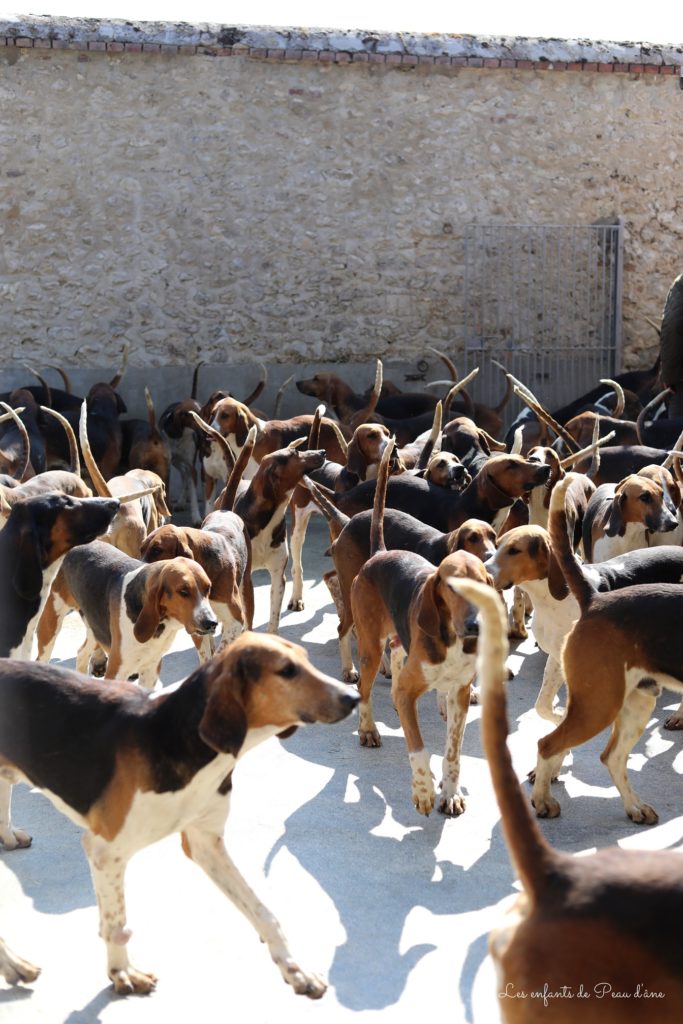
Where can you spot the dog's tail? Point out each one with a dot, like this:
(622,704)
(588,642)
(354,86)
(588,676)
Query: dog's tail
(579,584)
(313,443)
(377,522)
(336,520)
(433,441)
(532,857)
(230,492)
(74,460)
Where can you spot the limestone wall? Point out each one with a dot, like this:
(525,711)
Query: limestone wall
(203,196)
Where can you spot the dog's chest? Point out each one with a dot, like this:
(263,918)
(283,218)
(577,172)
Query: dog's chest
(552,619)
(268,544)
(607,547)
(214,463)
(457,669)
(23,649)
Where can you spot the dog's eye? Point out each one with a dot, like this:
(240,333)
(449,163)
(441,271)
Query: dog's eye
(647,498)
(513,551)
(184,592)
(288,671)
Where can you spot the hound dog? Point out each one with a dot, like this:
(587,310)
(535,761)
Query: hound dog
(262,506)
(145,447)
(132,770)
(622,518)
(350,550)
(590,926)
(223,550)
(445,469)
(336,393)
(233,420)
(399,595)
(130,609)
(524,558)
(620,653)
(39,532)
(498,484)
(177,425)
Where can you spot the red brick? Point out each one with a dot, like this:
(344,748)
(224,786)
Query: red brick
(23,41)
(442,59)
(376,58)
(189,51)
(293,54)
(636,68)
(309,55)
(361,57)
(620,67)
(589,66)
(259,52)
(541,65)
(41,44)
(97,46)
(525,65)
(393,58)
(606,67)
(459,62)
(651,69)
(115,47)
(426,60)
(507,62)
(151,47)
(133,47)
(575,65)
(491,62)
(667,69)
(342,58)
(326,56)
(223,51)
(169,48)
(409,60)
(559,65)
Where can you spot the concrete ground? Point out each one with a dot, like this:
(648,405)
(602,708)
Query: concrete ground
(394,908)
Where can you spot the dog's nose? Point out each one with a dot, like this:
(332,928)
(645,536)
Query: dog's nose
(349,702)
(208,625)
(471,627)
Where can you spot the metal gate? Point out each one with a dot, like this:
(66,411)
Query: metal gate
(544,300)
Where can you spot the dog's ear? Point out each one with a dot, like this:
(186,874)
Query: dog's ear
(454,540)
(355,462)
(182,548)
(28,574)
(557,584)
(615,524)
(223,725)
(120,404)
(431,607)
(490,442)
(149,618)
(161,506)
(241,427)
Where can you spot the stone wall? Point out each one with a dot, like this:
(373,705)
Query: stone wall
(242,194)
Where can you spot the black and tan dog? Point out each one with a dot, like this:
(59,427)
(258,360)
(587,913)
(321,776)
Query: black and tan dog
(620,653)
(132,770)
(597,925)
(38,534)
(400,596)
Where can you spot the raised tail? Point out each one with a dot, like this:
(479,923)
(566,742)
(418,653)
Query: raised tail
(237,472)
(377,522)
(558,529)
(532,857)
(336,520)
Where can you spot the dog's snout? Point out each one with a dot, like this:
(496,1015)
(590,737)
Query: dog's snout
(349,701)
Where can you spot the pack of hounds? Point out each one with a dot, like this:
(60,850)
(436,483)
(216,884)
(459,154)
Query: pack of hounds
(433,516)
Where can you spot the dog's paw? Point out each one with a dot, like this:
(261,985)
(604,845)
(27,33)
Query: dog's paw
(674,721)
(518,633)
(424,798)
(369,737)
(350,675)
(475,694)
(14,838)
(642,814)
(14,969)
(303,983)
(452,805)
(130,982)
(296,605)
(546,807)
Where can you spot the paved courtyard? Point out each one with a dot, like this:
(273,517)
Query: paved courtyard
(392,907)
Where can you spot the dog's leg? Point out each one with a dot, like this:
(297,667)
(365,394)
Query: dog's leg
(451,801)
(203,647)
(518,630)
(49,625)
(349,670)
(552,681)
(107,875)
(11,838)
(207,849)
(86,651)
(629,726)
(300,519)
(190,481)
(675,721)
(13,968)
(410,685)
(277,587)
